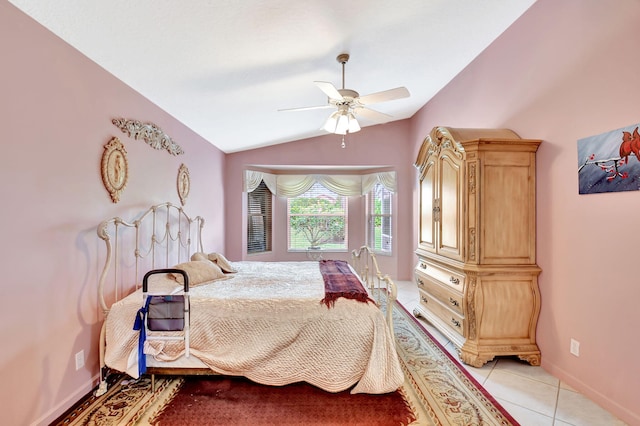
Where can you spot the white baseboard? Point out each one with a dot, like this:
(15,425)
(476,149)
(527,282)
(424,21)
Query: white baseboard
(66,403)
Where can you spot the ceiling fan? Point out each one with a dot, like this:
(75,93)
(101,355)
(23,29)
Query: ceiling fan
(349,103)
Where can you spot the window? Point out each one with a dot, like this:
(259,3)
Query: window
(379,220)
(317,220)
(259,219)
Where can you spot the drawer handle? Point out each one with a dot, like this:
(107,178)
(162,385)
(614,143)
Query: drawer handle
(423,265)
(454,302)
(424,299)
(420,282)
(454,280)
(455,322)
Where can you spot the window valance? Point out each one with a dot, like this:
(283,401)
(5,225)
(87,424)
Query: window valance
(294,185)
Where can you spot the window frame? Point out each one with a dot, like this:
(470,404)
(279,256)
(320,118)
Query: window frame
(371,216)
(344,201)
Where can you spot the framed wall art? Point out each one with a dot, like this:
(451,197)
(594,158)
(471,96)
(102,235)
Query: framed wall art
(610,162)
(115,168)
(184,183)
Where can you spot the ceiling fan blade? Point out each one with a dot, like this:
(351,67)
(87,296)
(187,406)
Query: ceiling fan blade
(372,115)
(329,89)
(307,108)
(386,95)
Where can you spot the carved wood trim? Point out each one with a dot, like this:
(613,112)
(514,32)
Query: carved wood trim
(446,141)
(532,359)
(472,178)
(153,135)
(471,306)
(475,360)
(427,149)
(472,244)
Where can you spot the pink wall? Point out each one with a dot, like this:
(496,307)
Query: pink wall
(381,145)
(56,108)
(566,70)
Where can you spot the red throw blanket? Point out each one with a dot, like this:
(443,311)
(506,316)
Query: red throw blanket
(340,281)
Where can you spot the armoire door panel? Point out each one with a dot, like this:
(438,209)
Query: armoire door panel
(450,226)
(507,222)
(427,220)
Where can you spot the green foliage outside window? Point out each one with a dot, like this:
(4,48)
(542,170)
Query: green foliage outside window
(317,222)
(377,223)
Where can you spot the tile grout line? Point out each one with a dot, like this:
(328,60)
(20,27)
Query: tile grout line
(537,413)
(555,409)
(493,368)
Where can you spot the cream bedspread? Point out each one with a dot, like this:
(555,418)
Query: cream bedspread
(266,323)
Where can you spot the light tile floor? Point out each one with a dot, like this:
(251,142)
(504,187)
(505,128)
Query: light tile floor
(531,395)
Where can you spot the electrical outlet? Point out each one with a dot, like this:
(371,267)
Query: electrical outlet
(79,360)
(575,347)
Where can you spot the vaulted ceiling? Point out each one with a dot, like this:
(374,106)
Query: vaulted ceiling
(225,67)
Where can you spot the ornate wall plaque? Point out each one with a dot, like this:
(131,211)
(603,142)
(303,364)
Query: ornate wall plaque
(148,132)
(115,168)
(184,183)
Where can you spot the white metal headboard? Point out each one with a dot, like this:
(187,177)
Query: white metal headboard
(162,236)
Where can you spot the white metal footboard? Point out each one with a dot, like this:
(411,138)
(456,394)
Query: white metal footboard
(366,265)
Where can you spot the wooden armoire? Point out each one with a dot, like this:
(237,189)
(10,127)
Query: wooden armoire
(476,271)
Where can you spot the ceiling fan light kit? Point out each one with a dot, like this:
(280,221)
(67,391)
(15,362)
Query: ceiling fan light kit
(341,122)
(349,103)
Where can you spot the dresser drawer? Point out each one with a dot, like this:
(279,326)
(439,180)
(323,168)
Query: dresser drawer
(446,295)
(454,320)
(451,278)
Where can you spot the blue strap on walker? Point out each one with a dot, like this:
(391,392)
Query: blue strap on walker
(139,325)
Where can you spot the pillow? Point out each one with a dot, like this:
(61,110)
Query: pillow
(199,271)
(222,262)
(199,256)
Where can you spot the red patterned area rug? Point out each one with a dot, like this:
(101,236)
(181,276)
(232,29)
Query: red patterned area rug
(237,401)
(437,391)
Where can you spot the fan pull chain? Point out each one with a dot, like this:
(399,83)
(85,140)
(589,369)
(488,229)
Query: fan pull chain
(343,145)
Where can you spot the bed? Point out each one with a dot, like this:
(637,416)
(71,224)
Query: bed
(261,320)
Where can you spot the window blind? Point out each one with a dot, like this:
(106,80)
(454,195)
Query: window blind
(259,219)
(379,222)
(317,220)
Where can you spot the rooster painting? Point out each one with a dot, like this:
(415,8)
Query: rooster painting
(630,143)
(604,164)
